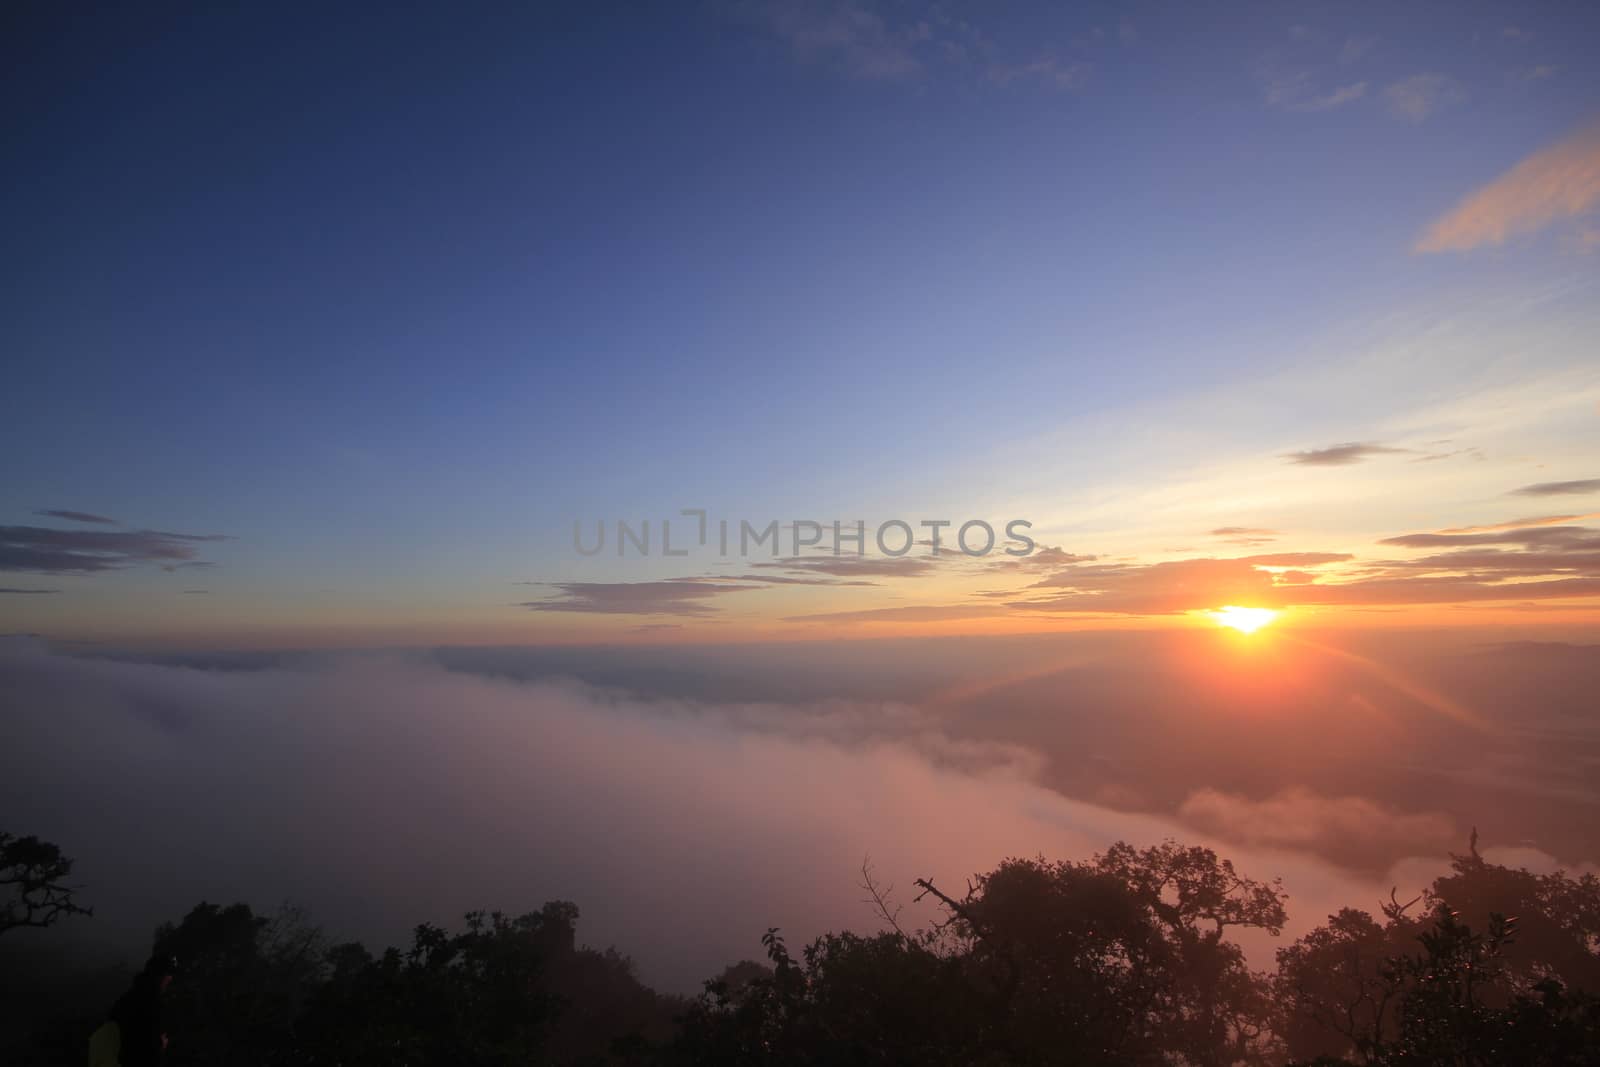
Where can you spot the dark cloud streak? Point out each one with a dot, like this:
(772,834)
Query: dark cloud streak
(77,516)
(674,596)
(43,550)
(1585,485)
(1341,455)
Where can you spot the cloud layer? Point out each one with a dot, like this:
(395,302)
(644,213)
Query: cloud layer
(381,792)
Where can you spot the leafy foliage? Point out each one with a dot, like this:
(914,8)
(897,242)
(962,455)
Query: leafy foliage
(1127,958)
(1433,990)
(1120,960)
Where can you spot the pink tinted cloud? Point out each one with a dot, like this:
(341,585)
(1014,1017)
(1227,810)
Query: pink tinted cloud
(1558,182)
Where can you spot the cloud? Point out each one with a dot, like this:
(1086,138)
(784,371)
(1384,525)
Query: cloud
(1044,558)
(1045,71)
(858,566)
(1154,588)
(1340,455)
(779,579)
(1555,183)
(905,613)
(379,792)
(1483,562)
(1572,538)
(1422,590)
(1310,72)
(12,591)
(1243,531)
(1295,559)
(77,516)
(1586,485)
(41,550)
(1421,95)
(1349,829)
(1517,524)
(901,43)
(1328,101)
(674,596)
(1297,91)
(848,36)
(1355,49)
(1498,564)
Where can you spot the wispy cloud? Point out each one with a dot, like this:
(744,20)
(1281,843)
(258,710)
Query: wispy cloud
(1296,559)
(1047,557)
(855,39)
(77,516)
(1561,569)
(1585,485)
(1309,73)
(42,550)
(1153,588)
(1044,71)
(1344,94)
(1555,183)
(674,596)
(1340,455)
(789,579)
(857,566)
(905,613)
(1575,537)
(1298,91)
(1421,95)
(1517,524)
(1356,49)
(1494,563)
(11,591)
(903,42)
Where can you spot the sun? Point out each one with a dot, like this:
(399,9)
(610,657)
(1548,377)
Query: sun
(1245,620)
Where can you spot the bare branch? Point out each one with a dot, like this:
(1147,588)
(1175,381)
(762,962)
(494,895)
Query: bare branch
(881,898)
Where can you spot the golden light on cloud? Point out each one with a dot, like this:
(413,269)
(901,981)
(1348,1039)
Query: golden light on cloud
(1245,620)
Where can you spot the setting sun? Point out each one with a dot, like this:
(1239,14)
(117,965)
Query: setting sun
(1245,620)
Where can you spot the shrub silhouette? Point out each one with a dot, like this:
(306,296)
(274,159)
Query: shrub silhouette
(1127,958)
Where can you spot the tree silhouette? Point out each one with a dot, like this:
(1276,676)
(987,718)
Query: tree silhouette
(1456,1002)
(1119,960)
(33,877)
(504,991)
(1356,990)
(243,980)
(1127,958)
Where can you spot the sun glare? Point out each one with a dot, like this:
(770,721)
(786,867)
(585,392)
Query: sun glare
(1245,620)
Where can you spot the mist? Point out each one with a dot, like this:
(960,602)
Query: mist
(379,791)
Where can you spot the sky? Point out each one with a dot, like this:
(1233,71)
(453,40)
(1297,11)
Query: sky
(353,359)
(345,319)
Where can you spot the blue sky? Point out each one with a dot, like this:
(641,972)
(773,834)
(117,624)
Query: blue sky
(392,297)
